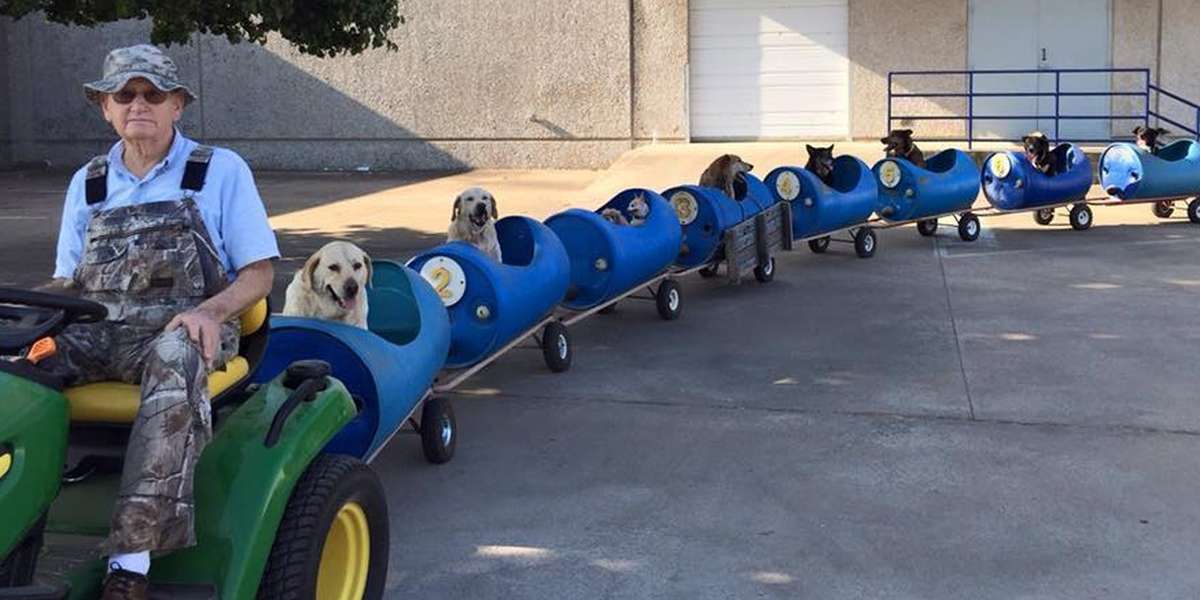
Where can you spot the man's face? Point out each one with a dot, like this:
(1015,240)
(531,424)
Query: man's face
(141,112)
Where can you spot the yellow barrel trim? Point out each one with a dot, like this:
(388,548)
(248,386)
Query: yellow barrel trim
(6,461)
(254,317)
(112,402)
(346,556)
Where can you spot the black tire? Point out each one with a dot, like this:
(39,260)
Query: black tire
(1194,211)
(556,347)
(19,566)
(439,431)
(669,300)
(865,242)
(928,227)
(331,483)
(1081,217)
(765,273)
(710,271)
(1163,209)
(608,310)
(1043,216)
(819,245)
(969,227)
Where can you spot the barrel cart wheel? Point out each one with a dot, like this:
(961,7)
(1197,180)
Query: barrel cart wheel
(332,541)
(968,227)
(819,245)
(709,272)
(1043,216)
(439,431)
(556,347)
(1164,208)
(1194,211)
(669,300)
(928,227)
(765,272)
(1081,217)
(864,242)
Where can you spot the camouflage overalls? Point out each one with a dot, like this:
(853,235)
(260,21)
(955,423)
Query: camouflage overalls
(148,263)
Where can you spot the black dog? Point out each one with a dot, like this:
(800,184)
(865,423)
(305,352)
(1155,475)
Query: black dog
(820,163)
(899,144)
(1037,150)
(1147,137)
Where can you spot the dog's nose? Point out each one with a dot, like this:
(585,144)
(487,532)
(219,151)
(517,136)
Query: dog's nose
(351,289)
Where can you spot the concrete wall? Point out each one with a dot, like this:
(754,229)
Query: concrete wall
(1134,44)
(660,57)
(1180,59)
(495,83)
(889,36)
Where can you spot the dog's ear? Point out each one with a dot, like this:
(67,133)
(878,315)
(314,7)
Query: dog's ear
(906,132)
(830,149)
(1138,130)
(310,269)
(1161,131)
(492,205)
(370,268)
(809,149)
(454,212)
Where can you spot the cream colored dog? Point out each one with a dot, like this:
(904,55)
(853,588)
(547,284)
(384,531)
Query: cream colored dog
(473,220)
(332,285)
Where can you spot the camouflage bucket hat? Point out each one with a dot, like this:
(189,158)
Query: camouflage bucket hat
(144,61)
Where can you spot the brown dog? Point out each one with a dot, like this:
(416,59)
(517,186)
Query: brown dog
(899,144)
(1147,137)
(723,172)
(1037,150)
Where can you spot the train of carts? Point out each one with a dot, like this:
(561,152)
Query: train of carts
(286,504)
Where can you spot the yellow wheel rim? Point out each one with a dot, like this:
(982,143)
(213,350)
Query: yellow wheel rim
(346,557)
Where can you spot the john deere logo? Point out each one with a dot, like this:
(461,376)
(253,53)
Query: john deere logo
(787,186)
(1000,165)
(889,174)
(685,207)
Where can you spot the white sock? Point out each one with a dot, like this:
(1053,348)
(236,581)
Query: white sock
(138,562)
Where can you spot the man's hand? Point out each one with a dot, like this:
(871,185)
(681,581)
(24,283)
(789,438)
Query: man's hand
(59,285)
(203,328)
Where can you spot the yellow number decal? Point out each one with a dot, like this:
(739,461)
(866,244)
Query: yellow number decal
(441,280)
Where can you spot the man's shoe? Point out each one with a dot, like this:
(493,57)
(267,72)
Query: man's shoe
(125,585)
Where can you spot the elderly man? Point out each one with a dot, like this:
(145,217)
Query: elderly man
(173,238)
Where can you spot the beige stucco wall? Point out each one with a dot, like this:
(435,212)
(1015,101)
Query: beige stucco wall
(1180,68)
(1134,44)
(495,83)
(890,36)
(660,55)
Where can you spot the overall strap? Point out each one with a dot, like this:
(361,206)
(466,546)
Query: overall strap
(96,183)
(197,168)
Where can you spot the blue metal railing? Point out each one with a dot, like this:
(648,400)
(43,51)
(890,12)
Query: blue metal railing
(1144,91)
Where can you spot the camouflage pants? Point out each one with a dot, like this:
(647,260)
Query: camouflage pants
(154,508)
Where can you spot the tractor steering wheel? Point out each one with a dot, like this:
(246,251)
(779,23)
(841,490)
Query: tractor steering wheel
(26,317)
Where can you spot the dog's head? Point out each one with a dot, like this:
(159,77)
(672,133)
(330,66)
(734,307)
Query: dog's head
(338,272)
(821,160)
(638,207)
(612,215)
(1147,137)
(477,205)
(736,165)
(898,142)
(1036,145)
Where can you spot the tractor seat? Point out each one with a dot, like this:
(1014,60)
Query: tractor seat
(116,402)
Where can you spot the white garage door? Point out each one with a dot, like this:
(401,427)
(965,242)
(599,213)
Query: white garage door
(764,69)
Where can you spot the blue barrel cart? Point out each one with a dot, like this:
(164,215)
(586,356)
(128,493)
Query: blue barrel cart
(388,368)
(610,261)
(947,186)
(494,306)
(1011,184)
(821,211)
(1129,174)
(743,233)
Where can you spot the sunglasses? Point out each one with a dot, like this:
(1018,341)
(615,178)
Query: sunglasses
(151,96)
